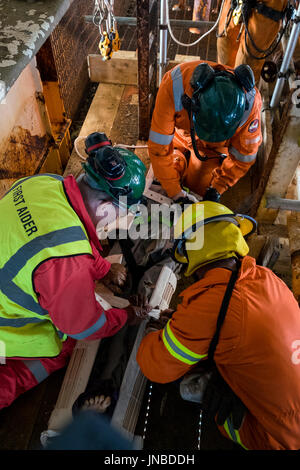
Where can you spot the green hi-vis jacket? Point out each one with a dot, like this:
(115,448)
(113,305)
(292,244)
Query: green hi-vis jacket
(37,223)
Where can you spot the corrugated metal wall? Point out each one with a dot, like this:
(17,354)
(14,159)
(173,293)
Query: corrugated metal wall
(72,40)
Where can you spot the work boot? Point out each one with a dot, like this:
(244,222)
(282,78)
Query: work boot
(193,386)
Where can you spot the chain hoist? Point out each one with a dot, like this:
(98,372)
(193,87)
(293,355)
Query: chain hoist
(104,18)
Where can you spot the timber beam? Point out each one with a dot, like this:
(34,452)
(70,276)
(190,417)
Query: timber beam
(281,166)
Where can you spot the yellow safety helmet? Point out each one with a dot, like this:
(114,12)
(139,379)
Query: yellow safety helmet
(208,231)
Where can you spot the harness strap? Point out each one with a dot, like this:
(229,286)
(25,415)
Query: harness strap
(269,12)
(222,313)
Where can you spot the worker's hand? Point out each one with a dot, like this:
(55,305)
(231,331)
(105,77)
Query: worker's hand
(212,195)
(183,197)
(222,403)
(139,300)
(160,323)
(115,278)
(136,314)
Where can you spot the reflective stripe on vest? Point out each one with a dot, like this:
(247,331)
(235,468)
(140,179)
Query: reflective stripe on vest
(233,433)
(178,91)
(18,261)
(178,350)
(26,328)
(241,157)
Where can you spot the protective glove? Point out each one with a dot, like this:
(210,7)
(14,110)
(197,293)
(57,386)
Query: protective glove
(212,195)
(220,401)
(185,198)
(136,314)
(115,278)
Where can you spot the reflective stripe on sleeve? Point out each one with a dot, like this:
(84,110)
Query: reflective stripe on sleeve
(250,99)
(178,350)
(255,140)
(178,90)
(241,157)
(37,369)
(162,139)
(89,331)
(233,433)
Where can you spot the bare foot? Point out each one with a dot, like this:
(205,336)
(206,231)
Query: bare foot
(98,403)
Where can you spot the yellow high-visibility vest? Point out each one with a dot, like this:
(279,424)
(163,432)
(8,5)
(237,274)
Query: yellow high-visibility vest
(37,223)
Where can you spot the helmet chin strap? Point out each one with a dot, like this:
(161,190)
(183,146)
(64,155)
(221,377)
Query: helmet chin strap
(221,156)
(187,104)
(200,157)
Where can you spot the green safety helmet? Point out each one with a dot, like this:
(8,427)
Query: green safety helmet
(219,101)
(116,171)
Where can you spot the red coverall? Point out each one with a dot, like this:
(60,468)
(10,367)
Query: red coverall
(170,136)
(258,353)
(231,47)
(65,287)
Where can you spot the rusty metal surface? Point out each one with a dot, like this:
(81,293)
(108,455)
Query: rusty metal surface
(24,27)
(23,154)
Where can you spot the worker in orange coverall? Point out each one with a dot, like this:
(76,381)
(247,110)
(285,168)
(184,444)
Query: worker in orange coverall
(253,350)
(205,129)
(247,32)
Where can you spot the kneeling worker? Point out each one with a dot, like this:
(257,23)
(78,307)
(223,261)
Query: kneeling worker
(50,260)
(253,350)
(205,129)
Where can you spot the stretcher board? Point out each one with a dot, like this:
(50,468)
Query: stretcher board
(133,385)
(76,379)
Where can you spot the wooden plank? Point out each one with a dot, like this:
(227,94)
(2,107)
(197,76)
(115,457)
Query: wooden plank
(270,253)
(75,382)
(273,230)
(256,244)
(100,118)
(122,69)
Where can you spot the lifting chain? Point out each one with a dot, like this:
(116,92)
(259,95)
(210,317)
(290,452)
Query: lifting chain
(104,18)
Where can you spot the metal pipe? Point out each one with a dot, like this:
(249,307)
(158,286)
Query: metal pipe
(283,204)
(131,21)
(163,40)
(290,48)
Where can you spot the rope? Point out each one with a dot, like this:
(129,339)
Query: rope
(201,37)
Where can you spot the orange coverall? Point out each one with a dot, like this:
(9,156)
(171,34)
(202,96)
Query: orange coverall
(170,137)
(258,353)
(231,49)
